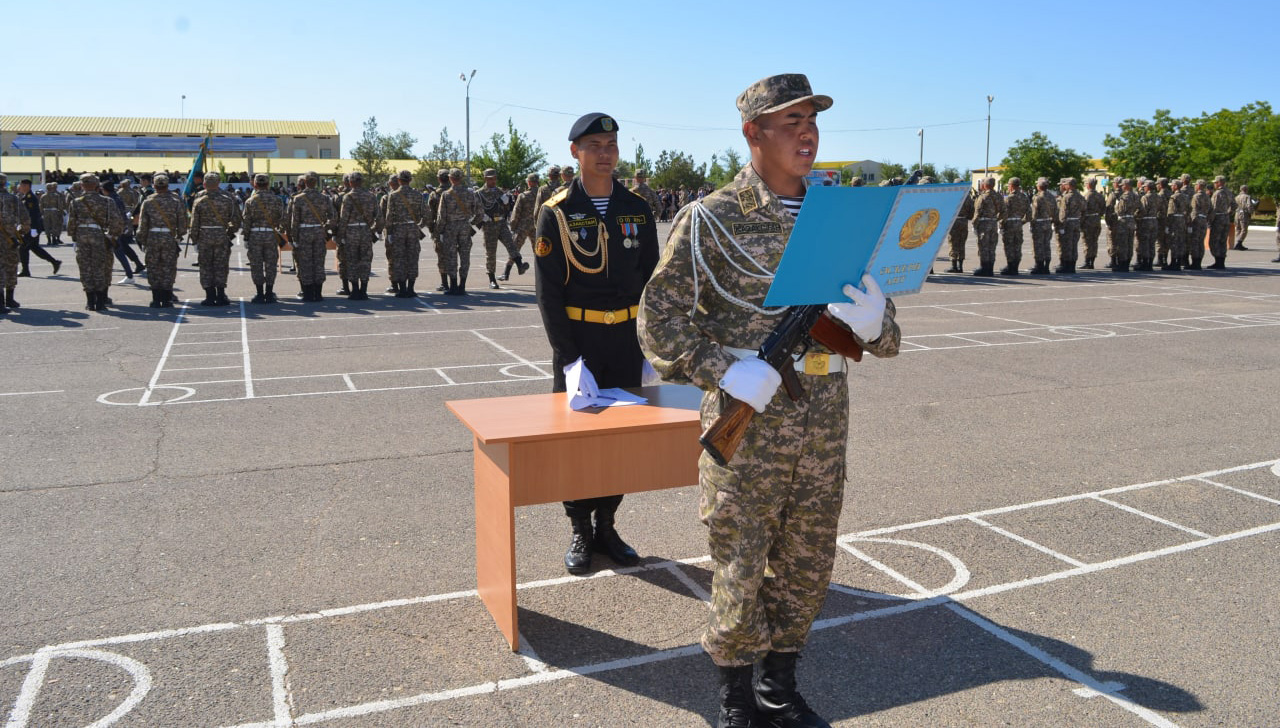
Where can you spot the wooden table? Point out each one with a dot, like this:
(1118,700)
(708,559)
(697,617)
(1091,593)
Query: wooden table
(533,449)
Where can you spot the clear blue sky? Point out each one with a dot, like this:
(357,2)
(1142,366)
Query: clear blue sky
(668,71)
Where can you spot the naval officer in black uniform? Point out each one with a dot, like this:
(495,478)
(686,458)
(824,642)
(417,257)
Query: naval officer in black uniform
(596,245)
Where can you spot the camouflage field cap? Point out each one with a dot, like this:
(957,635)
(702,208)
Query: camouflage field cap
(1015,181)
(554,170)
(1163,180)
(442,175)
(212,177)
(161,180)
(1219,178)
(405,175)
(261,179)
(774,93)
(531,177)
(356,177)
(567,169)
(642,174)
(455,173)
(491,172)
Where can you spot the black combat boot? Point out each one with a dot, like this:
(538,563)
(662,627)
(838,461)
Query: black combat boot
(778,703)
(955,267)
(167,299)
(261,296)
(1174,265)
(364,289)
(1239,246)
(983,270)
(317,290)
(102,301)
(9,300)
(493,283)
(444,284)
(210,297)
(344,291)
(506,271)
(1218,263)
(269,293)
(737,703)
(222,296)
(521,266)
(577,560)
(451,286)
(402,289)
(155,298)
(1194,265)
(1122,266)
(24,273)
(409,287)
(1041,268)
(90,300)
(462,284)
(607,541)
(1088,264)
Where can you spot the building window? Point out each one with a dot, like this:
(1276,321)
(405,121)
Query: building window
(326,154)
(299,154)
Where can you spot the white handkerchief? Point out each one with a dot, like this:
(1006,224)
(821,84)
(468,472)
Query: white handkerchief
(584,393)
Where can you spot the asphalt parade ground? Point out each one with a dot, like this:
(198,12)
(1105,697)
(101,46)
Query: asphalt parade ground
(1063,508)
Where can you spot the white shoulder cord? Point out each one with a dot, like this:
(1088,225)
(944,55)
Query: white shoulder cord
(698,214)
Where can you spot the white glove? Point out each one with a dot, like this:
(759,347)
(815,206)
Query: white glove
(580,380)
(753,381)
(35,233)
(865,315)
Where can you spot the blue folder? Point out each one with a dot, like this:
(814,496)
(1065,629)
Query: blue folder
(891,232)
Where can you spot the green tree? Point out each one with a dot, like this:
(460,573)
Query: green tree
(725,165)
(1258,164)
(889,170)
(1151,148)
(716,174)
(445,154)
(674,170)
(641,161)
(374,149)
(512,154)
(1036,156)
(624,170)
(1215,140)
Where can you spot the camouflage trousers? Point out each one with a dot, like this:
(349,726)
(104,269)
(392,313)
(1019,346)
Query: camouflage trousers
(162,260)
(1069,241)
(213,252)
(1090,229)
(8,264)
(1121,248)
(987,241)
(1042,240)
(1219,231)
(53,225)
(404,246)
(1011,235)
(437,242)
(521,236)
(263,249)
(1148,231)
(777,504)
(94,256)
(1195,241)
(1242,227)
(1177,237)
(310,252)
(493,232)
(357,249)
(959,235)
(456,247)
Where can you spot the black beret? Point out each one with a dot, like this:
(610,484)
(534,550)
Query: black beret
(593,123)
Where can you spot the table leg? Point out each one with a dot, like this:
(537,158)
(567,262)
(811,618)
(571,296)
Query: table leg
(496,538)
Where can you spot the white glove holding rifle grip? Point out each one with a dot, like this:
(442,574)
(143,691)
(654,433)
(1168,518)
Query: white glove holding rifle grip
(753,381)
(865,315)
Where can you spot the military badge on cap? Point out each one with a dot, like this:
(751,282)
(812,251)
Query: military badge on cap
(593,123)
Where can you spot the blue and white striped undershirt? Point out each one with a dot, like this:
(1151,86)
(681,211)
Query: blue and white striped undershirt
(601,203)
(792,204)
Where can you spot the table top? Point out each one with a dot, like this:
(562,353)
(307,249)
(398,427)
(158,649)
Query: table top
(531,417)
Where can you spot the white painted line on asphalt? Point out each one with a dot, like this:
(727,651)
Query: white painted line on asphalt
(1275,469)
(694,587)
(1026,541)
(1106,690)
(58,331)
(244,344)
(351,386)
(1150,516)
(198,369)
(164,356)
(530,656)
(445,377)
(21,714)
(44,391)
(281,696)
(508,352)
(396,333)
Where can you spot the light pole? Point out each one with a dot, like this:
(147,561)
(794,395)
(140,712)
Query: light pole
(463,76)
(986,163)
(920,133)
(183,108)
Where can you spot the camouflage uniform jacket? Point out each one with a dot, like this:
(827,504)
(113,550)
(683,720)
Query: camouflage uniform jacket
(360,207)
(493,204)
(165,212)
(1071,205)
(686,320)
(1043,208)
(214,210)
(1201,205)
(965,212)
(405,206)
(14,220)
(1179,204)
(263,210)
(1094,203)
(990,205)
(95,208)
(458,206)
(1165,194)
(1151,205)
(1017,207)
(1127,204)
(50,201)
(433,208)
(130,197)
(1223,202)
(522,215)
(544,193)
(309,207)
(651,197)
(1245,203)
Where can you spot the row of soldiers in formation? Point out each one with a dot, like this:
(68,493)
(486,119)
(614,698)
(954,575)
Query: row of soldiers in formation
(308,221)
(1170,222)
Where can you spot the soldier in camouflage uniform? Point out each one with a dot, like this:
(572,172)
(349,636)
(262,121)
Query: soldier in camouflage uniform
(53,208)
(1044,218)
(215,219)
(546,191)
(1245,205)
(1176,219)
(94,223)
(405,215)
(264,218)
(777,502)
(339,252)
(459,208)
(1014,214)
(1223,209)
(433,208)
(1149,206)
(310,220)
(359,223)
(1126,208)
(1070,213)
(523,218)
(643,189)
(959,233)
(1201,211)
(1113,222)
(987,211)
(15,222)
(493,222)
(1091,222)
(162,222)
(1162,238)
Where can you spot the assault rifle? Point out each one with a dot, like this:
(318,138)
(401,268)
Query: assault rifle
(792,337)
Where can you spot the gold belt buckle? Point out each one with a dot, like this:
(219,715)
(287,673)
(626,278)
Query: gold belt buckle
(817,364)
(608,317)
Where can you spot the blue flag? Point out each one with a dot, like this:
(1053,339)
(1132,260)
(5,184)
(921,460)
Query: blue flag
(197,167)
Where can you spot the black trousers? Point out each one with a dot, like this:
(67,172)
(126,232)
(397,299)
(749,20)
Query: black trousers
(32,245)
(612,353)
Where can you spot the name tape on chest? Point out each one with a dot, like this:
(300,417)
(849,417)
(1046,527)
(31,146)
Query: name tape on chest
(587,222)
(631,219)
(756,228)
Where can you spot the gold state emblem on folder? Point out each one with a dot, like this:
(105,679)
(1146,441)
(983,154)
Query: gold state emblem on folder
(917,229)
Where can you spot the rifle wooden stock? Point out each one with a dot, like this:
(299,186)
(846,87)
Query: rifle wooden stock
(722,438)
(835,337)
